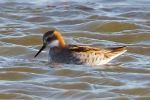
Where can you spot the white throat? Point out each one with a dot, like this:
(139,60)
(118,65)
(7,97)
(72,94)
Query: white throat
(54,43)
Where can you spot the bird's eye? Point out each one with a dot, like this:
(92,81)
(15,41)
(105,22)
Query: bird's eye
(48,39)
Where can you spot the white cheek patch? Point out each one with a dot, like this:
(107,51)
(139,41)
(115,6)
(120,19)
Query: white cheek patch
(54,43)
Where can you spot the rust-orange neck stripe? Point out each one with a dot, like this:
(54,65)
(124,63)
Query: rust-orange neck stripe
(60,39)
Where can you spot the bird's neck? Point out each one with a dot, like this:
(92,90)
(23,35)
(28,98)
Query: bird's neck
(62,43)
(57,43)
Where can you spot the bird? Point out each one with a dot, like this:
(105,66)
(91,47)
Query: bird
(60,52)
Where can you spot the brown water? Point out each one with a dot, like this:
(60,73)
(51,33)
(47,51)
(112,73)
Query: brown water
(98,23)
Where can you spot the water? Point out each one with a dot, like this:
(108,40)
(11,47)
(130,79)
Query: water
(97,23)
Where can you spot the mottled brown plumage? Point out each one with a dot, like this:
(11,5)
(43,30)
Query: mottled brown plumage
(75,54)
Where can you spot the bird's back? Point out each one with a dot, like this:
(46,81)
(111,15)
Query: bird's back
(73,54)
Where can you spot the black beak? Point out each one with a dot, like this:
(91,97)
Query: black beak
(43,47)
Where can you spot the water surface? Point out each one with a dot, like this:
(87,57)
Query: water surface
(97,23)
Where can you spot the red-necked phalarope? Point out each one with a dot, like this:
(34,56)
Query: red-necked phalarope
(74,54)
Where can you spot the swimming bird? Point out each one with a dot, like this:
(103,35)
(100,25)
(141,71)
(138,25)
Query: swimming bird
(61,52)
